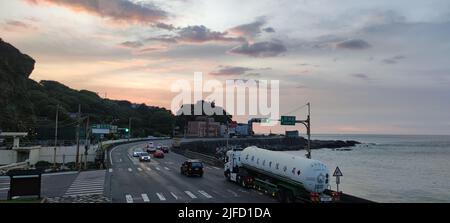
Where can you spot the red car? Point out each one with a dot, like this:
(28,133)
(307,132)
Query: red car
(158,154)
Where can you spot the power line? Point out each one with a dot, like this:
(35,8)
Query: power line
(296,109)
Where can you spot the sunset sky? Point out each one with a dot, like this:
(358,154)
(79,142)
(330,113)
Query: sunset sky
(366,66)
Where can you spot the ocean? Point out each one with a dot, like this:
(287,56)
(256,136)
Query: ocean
(391,168)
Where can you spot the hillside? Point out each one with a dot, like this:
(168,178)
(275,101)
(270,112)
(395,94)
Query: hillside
(29,106)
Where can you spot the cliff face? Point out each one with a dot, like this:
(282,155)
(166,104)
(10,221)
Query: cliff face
(16,110)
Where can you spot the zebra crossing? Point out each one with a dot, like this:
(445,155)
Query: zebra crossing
(87,183)
(167,197)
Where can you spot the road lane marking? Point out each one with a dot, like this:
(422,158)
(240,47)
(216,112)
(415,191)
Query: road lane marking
(129,198)
(139,169)
(232,192)
(243,191)
(129,170)
(110,155)
(190,194)
(158,168)
(205,194)
(173,195)
(209,168)
(217,168)
(148,168)
(110,170)
(145,198)
(167,168)
(161,197)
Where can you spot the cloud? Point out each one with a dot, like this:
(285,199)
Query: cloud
(165,26)
(361,76)
(230,71)
(393,60)
(353,44)
(269,30)
(122,11)
(15,25)
(249,30)
(200,34)
(260,49)
(132,44)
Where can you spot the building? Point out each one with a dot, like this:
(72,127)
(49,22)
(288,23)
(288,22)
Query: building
(242,130)
(292,134)
(203,127)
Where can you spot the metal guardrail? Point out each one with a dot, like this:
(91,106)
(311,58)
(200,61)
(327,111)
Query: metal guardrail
(14,166)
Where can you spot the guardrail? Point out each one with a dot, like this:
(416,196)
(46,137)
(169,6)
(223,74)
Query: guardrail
(205,158)
(14,166)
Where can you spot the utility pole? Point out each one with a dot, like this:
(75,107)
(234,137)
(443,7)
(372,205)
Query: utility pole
(129,129)
(77,164)
(309,131)
(56,136)
(87,143)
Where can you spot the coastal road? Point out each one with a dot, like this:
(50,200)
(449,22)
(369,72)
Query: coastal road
(160,181)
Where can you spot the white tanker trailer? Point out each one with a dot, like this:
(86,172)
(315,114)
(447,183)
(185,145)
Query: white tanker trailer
(282,175)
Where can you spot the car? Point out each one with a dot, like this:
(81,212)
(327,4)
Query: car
(151,150)
(144,157)
(136,154)
(150,145)
(158,154)
(165,149)
(192,167)
(159,146)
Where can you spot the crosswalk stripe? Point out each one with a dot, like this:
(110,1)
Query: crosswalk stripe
(160,196)
(85,192)
(158,168)
(190,194)
(110,170)
(205,194)
(145,198)
(139,169)
(174,195)
(129,198)
(149,169)
(84,189)
(167,168)
(129,169)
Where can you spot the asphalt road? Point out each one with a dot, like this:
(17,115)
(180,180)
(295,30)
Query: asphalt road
(160,181)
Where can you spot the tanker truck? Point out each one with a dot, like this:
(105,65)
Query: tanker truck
(287,177)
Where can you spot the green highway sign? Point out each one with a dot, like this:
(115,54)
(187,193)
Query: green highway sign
(288,120)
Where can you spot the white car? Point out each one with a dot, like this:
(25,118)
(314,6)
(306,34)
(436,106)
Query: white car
(136,154)
(144,157)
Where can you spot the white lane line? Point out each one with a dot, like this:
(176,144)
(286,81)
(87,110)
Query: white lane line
(161,197)
(120,160)
(167,168)
(174,195)
(129,198)
(243,191)
(129,170)
(145,198)
(110,170)
(217,168)
(139,169)
(148,168)
(190,194)
(209,168)
(232,192)
(205,194)
(110,155)
(158,168)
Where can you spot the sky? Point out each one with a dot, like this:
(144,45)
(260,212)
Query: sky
(372,67)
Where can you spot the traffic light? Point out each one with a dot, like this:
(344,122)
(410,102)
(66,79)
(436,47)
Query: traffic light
(127,130)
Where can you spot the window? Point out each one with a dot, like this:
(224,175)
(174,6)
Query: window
(277,166)
(270,164)
(285,168)
(239,158)
(253,158)
(246,157)
(257,161)
(299,172)
(264,162)
(293,170)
